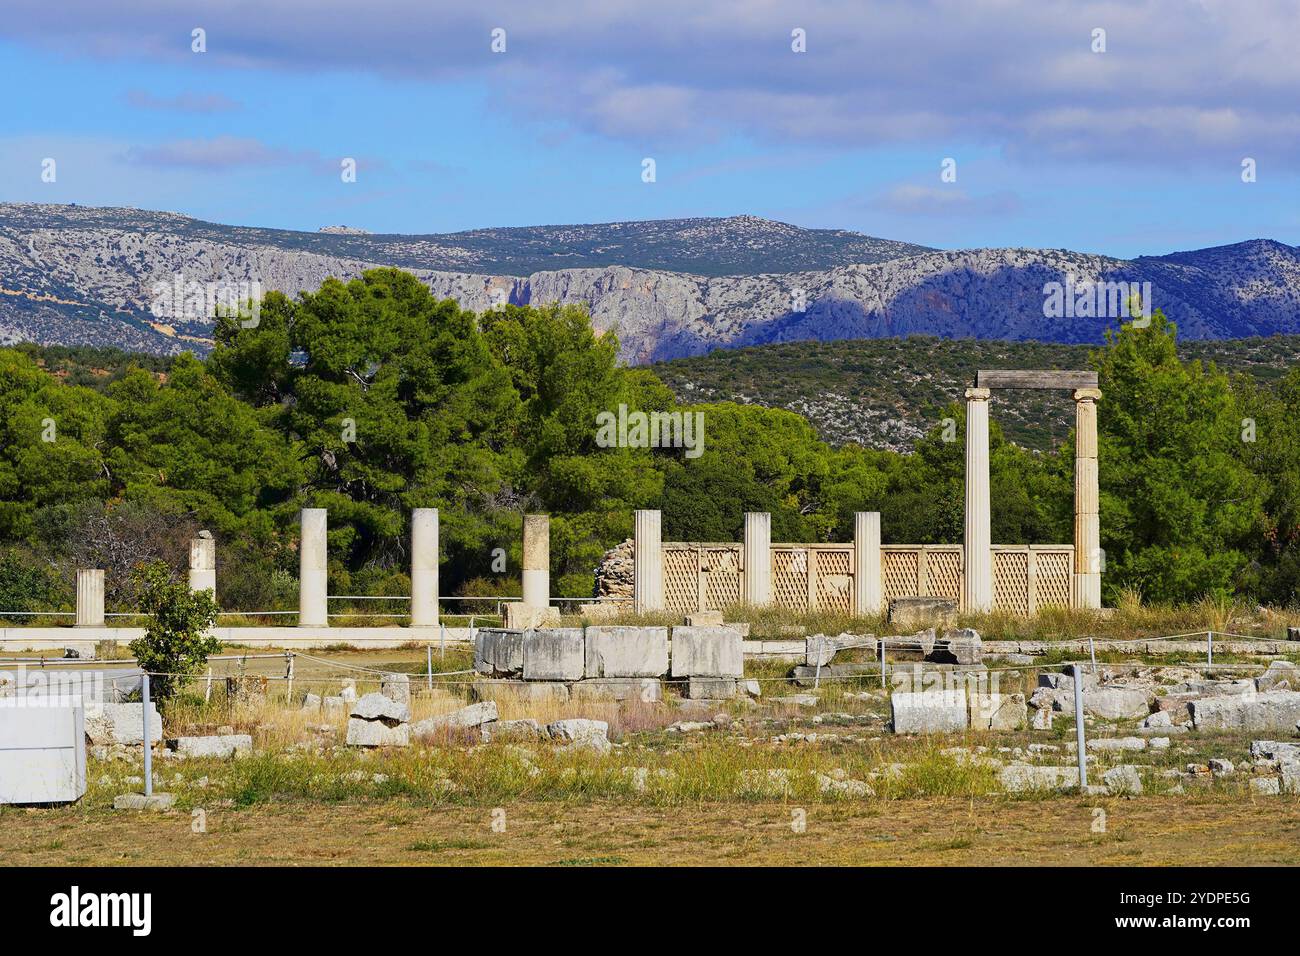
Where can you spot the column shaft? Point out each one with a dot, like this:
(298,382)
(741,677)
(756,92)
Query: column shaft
(648,562)
(424,567)
(203,564)
(757,581)
(537,561)
(90,598)
(978,534)
(313,568)
(1087,501)
(868,585)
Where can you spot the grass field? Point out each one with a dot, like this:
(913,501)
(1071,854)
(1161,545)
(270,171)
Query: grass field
(1206,829)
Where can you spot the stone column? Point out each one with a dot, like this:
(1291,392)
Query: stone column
(757,584)
(203,563)
(868,585)
(978,536)
(313,569)
(1087,504)
(648,563)
(537,560)
(90,598)
(424,567)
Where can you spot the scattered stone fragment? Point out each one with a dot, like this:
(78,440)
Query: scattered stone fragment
(138,801)
(1281,675)
(379,721)
(839,783)
(930,712)
(581,734)
(1123,780)
(1267,786)
(223,746)
(1221,767)
(1117,743)
(475,715)
(1019,778)
(396,687)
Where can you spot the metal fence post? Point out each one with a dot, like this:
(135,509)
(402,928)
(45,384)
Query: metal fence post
(288,676)
(428,648)
(1209,649)
(148,751)
(1092,652)
(1078,728)
(882,663)
(442,641)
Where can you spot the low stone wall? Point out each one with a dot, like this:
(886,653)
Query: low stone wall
(1142,648)
(601,662)
(84,639)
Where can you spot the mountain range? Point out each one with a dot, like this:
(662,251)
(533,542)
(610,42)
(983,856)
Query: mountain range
(75,275)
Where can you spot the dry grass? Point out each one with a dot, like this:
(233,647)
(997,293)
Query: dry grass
(945,831)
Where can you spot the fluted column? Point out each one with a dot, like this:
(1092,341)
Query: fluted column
(1087,502)
(978,535)
(648,563)
(313,569)
(537,560)
(868,585)
(758,558)
(424,567)
(203,563)
(90,598)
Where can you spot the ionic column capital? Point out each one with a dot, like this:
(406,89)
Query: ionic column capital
(977,394)
(1087,394)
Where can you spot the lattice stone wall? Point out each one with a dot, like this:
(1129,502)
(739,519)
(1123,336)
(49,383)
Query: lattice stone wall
(701,576)
(707,576)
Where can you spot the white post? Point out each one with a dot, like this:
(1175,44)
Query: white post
(537,561)
(648,562)
(90,598)
(978,537)
(868,585)
(1087,505)
(758,559)
(424,567)
(1080,742)
(148,750)
(313,569)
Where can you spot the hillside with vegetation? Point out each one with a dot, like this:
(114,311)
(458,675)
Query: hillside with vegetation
(887,393)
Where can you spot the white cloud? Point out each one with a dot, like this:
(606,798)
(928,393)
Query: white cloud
(1204,81)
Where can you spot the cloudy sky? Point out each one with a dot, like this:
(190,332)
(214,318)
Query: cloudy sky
(1134,150)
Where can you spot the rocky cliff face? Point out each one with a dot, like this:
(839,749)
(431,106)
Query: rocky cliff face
(71,275)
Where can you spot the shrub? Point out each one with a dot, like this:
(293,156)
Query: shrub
(176,643)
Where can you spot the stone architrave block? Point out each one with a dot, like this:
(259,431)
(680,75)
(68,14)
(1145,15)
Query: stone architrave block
(626,651)
(498,652)
(555,654)
(707,652)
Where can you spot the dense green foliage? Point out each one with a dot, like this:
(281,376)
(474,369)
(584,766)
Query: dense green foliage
(371,397)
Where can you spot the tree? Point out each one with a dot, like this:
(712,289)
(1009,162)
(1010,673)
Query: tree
(176,642)
(1180,508)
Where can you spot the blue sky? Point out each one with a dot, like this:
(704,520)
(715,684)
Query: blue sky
(1133,151)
